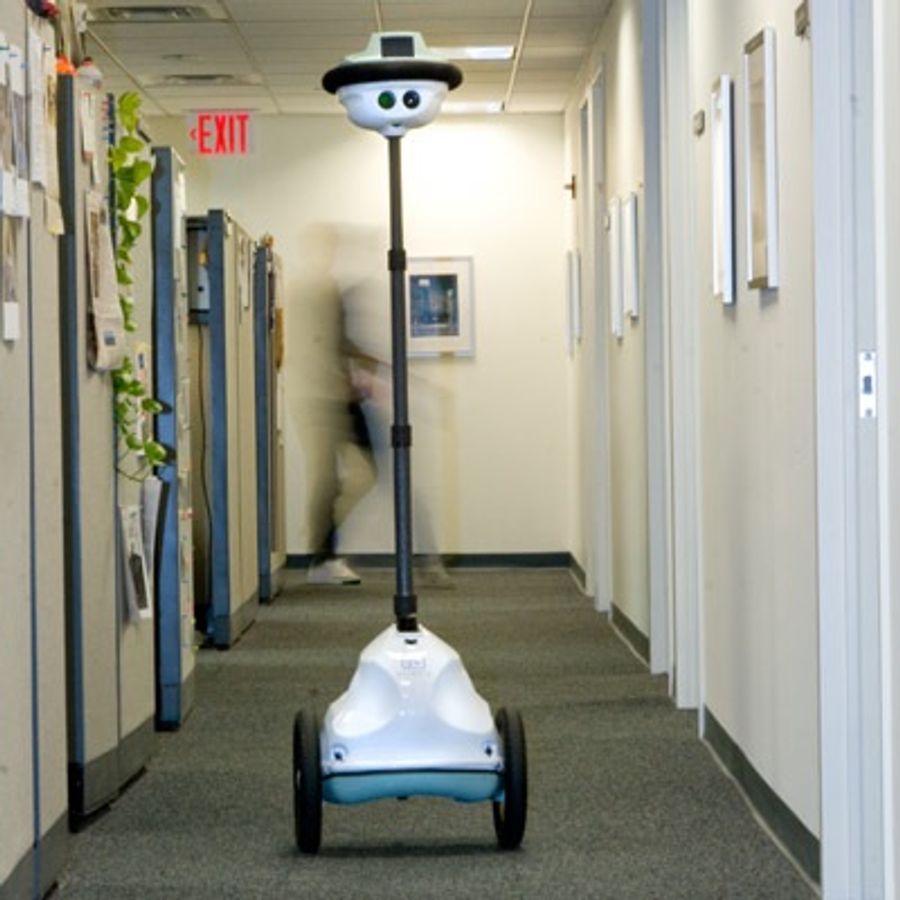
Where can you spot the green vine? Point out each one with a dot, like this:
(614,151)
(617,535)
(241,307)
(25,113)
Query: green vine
(129,171)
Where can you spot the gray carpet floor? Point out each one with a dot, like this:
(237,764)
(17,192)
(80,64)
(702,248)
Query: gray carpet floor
(625,801)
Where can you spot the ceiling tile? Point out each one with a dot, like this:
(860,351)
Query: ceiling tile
(289,44)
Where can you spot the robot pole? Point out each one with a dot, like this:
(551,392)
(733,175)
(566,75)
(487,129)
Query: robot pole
(401,431)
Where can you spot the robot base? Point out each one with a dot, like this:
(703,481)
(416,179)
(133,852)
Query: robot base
(410,724)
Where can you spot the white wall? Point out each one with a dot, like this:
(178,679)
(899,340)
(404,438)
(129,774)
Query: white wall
(492,456)
(618,53)
(757,430)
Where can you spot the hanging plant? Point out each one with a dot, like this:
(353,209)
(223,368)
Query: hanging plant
(134,407)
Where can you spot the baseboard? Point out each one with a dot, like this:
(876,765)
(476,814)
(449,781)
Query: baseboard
(175,704)
(636,638)
(92,786)
(227,630)
(19,884)
(54,851)
(135,749)
(542,560)
(796,838)
(578,574)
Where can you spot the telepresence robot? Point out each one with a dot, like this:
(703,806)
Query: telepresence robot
(410,723)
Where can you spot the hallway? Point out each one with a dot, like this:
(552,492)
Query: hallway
(625,802)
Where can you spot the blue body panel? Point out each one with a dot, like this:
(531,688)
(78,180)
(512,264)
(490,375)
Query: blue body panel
(464,786)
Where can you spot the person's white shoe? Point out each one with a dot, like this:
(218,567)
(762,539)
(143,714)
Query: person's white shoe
(433,574)
(332,571)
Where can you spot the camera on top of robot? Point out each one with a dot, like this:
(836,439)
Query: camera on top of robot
(395,84)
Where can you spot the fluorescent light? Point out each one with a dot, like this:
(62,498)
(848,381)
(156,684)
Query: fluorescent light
(504,51)
(462,107)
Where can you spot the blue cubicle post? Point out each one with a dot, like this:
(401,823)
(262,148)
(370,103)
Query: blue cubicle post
(175,646)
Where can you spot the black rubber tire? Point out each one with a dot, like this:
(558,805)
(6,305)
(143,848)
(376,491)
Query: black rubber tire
(511,812)
(307,782)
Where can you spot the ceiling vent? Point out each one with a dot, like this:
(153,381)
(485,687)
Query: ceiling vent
(204,79)
(168,12)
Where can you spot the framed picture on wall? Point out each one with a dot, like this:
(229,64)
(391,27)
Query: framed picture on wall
(721,133)
(440,306)
(631,275)
(573,297)
(615,268)
(761,160)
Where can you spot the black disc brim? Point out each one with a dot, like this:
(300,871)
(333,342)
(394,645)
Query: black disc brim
(392,70)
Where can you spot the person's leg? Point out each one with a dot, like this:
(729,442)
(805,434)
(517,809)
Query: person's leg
(357,464)
(325,487)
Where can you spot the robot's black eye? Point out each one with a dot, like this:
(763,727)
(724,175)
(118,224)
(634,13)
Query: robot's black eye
(386,99)
(411,99)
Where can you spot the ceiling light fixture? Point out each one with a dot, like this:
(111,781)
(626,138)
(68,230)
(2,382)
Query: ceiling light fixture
(473,108)
(496,52)
(169,12)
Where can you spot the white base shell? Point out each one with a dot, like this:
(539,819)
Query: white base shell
(410,723)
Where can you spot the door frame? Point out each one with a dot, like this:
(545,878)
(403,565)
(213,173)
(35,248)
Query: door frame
(849,487)
(685,622)
(594,253)
(886,28)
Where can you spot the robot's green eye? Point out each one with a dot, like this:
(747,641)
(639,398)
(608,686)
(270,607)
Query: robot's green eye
(411,99)
(386,99)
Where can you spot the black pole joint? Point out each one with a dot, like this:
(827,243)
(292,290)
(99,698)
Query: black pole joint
(406,620)
(397,259)
(401,436)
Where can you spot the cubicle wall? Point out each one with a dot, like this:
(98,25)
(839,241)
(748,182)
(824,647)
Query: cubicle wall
(17,688)
(17,693)
(136,633)
(109,652)
(33,797)
(223,411)
(48,560)
(175,647)
(267,313)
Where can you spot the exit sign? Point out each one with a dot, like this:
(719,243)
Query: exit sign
(221,132)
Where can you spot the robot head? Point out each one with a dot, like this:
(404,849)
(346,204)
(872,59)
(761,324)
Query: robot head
(395,84)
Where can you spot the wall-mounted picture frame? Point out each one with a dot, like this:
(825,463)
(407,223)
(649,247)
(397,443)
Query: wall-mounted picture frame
(573,297)
(761,160)
(616,318)
(440,313)
(721,119)
(631,273)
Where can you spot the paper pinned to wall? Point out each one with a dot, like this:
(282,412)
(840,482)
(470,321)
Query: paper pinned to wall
(138,588)
(37,133)
(153,492)
(16,191)
(11,326)
(7,187)
(87,107)
(43,115)
(106,337)
(8,279)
